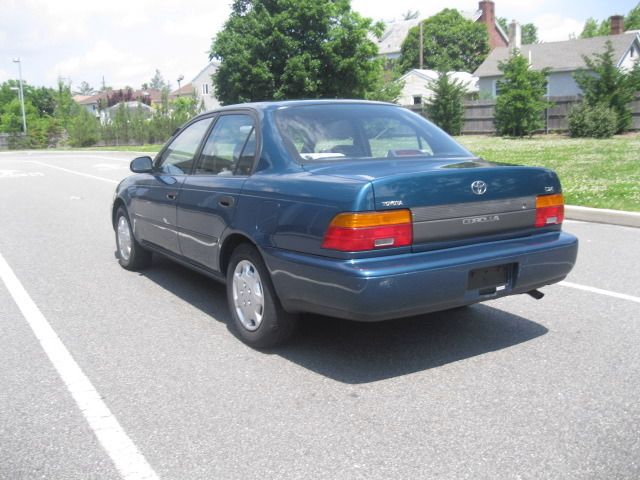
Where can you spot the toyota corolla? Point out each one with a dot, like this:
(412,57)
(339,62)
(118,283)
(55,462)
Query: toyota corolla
(359,210)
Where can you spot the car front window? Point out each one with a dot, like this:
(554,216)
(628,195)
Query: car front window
(358,131)
(177,158)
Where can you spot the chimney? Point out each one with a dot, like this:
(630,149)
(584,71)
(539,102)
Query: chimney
(617,24)
(488,17)
(488,13)
(515,35)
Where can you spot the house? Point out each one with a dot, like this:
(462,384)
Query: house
(390,43)
(103,104)
(202,85)
(417,89)
(562,58)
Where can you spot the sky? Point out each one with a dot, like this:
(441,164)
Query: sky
(126,40)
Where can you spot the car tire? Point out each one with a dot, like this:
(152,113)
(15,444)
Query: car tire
(257,317)
(131,255)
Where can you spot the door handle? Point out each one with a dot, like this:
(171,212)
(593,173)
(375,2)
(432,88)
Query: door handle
(226,201)
(172,195)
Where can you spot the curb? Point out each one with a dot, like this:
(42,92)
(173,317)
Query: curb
(602,215)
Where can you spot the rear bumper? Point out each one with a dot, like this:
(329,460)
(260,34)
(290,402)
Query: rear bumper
(414,283)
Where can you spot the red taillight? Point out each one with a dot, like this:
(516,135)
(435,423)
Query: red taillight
(353,232)
(549,210)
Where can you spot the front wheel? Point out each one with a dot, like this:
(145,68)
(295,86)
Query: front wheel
(256,314)
(131,255)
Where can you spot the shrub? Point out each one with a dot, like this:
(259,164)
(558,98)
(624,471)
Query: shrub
(445,108)
(521,99)
(602,82)
(597,121)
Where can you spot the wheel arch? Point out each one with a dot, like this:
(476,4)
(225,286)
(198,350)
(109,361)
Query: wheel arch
(118,202)
(230,243)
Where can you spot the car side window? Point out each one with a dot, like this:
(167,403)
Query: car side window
(177,159)
(230,148)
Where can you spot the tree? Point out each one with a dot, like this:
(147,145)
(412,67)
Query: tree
(451,42)
(602,82)
(520,102)
(157,81)
(411,14)
(277,49)
(84,89)
(632,20)
(529,31)
(593,28)
(83,129)
(445,107)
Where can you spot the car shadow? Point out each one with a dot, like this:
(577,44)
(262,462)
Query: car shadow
(360,352)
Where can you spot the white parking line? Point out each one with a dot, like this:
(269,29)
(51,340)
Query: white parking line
(75,172)
(128,460)
(609,293)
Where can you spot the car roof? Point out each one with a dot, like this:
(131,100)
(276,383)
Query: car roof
(263,106)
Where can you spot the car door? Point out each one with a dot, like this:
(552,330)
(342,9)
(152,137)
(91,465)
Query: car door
(210,196)
(154,202)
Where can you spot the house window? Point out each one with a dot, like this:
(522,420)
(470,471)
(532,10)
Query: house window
(417,99)
(205,89)
(496,88)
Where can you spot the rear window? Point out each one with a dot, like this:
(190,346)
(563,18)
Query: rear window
(354,131)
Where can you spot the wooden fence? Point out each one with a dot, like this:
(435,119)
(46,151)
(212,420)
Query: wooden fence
(479,115)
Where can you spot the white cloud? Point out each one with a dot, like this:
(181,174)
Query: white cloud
(120,67)
(553,27)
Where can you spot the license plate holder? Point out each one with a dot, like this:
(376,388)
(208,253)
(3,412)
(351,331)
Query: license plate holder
(489,278)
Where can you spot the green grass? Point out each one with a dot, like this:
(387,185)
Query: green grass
(594,173)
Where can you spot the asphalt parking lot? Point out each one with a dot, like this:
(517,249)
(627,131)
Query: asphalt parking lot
(106,373)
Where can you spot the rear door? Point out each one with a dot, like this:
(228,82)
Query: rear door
(210,196)
(155,199)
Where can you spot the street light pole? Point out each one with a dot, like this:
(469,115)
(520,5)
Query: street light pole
(21,92)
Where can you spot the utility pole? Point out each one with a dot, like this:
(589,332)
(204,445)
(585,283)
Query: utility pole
(21,94)
(421,46)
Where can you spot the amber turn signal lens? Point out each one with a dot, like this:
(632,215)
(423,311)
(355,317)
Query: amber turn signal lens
(371,219)
(549,200)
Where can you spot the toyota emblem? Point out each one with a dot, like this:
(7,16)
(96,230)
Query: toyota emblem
(479,187)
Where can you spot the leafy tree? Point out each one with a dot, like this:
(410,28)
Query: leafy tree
(632,20)
(85,89)
(276,49)
(157,81)
(529,34)
(411,14)
(520,103)
(445,107)
(65,104)
(604,83)
(451,42)
(529,31)
(83,129)
(593,28)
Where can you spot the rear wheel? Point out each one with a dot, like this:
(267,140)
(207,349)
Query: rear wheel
(256,314)
(131,255)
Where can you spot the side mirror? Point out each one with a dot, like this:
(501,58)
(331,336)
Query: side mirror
(141,165)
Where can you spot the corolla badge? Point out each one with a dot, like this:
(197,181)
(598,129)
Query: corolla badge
(479,187)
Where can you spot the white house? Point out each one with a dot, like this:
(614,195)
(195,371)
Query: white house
(202,85)
(563,59)
(417,83)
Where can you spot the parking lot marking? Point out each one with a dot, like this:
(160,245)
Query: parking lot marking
(126,457)
(609,293)
(75,172)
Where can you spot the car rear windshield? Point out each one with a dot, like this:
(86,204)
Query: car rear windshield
(359,131)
